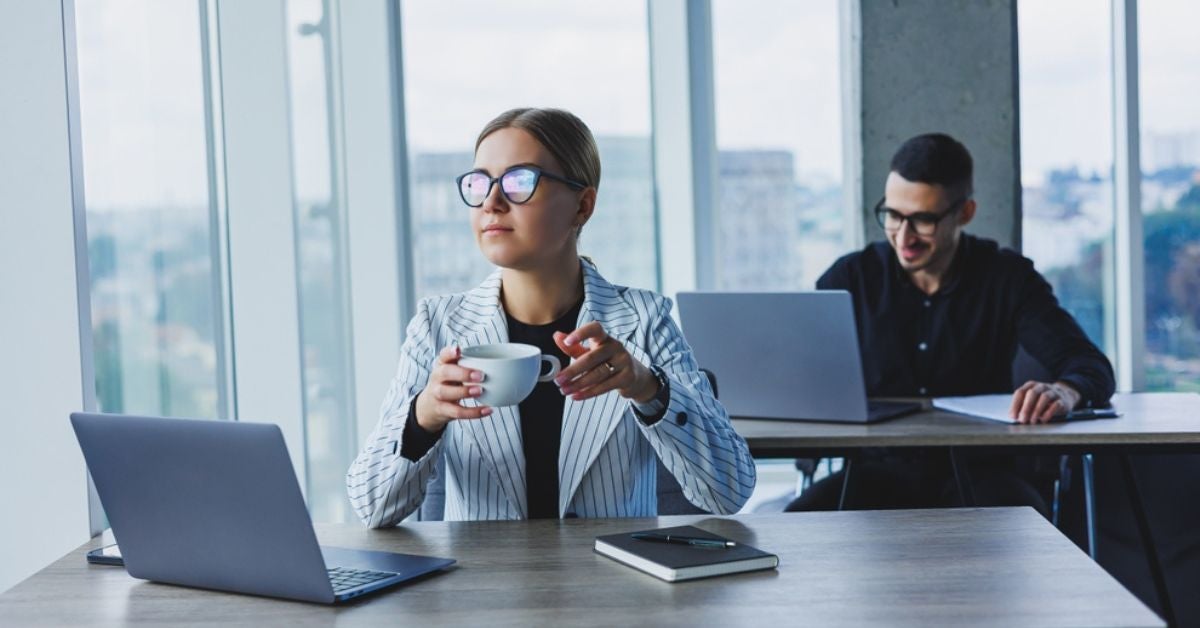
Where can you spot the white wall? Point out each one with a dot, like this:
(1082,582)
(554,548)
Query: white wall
(43,490)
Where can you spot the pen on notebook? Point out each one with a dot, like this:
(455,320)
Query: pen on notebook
(682,540)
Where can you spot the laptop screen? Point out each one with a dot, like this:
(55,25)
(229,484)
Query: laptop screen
(783,355)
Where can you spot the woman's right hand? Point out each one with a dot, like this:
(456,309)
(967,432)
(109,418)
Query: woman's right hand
(449,384)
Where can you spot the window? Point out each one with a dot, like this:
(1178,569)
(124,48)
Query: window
(1067,156)
(455,82)
(321,260)
(154,292)
(1170,151)
(778,110)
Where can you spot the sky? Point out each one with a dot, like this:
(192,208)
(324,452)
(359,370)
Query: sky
(602,72)
(776,82)
(141,103)
(466,61)
(1066,81)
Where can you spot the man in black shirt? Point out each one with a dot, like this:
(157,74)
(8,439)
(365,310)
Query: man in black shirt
(941,313)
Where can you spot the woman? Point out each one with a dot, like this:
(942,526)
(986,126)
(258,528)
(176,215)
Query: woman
(584,444)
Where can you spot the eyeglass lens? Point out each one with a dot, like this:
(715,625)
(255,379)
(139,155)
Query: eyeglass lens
(517,185)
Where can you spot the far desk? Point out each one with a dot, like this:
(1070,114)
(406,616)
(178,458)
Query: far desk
(1158,422)
(1150,423)
(995,566)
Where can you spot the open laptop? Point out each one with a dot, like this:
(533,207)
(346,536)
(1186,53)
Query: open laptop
(216,505)
(783,355)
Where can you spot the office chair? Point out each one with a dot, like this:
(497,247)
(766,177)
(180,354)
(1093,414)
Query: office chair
(433,508)
(670,495)
(1025,368)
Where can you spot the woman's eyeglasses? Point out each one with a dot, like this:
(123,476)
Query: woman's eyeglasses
(922,223)
(517,184)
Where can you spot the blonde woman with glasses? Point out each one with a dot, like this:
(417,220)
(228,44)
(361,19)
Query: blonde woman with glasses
(585,443)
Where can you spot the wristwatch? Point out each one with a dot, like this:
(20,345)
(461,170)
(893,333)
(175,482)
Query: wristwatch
(662,397)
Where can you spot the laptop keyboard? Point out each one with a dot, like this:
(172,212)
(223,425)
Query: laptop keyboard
(345,579)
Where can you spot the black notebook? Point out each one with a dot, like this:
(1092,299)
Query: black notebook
(673,562)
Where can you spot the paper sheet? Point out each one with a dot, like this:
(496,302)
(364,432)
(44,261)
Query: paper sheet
(994,407)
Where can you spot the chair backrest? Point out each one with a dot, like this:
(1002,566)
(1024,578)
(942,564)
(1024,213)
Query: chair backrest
(433,507)
(670,495)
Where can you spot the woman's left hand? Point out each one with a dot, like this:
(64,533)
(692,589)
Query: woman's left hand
(603,365)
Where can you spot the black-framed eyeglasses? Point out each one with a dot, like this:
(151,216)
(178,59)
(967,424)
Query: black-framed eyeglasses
(517,184)
(922,223)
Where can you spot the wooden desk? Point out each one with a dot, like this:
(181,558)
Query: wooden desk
(1159,421)
(1149,422)
(999,566)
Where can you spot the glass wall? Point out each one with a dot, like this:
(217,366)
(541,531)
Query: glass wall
(1170,150)
(465,62)
(146,185)
(321,257)
(1067,156)
(778,110)
(152,196)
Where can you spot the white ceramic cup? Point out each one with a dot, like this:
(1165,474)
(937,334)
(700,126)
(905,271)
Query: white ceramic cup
(510,371)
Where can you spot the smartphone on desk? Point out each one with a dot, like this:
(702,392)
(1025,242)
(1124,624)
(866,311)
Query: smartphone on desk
(107,555)
(1084,414)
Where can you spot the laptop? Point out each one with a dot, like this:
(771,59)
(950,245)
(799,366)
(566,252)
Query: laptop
(783,355)
(216,505)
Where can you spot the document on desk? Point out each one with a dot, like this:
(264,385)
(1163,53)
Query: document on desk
(996,407)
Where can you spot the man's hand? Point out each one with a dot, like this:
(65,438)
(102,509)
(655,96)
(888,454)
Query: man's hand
(1038,402)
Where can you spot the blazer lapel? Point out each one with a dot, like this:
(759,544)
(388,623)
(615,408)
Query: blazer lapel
(588,424)
(479,319)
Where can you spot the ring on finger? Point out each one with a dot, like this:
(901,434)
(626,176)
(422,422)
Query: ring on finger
(611,369)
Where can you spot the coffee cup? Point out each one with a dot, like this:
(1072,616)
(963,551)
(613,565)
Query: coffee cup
(510,371)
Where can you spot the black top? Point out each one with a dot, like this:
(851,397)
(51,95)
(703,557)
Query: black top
(542,416)
(541,419)
(962,339)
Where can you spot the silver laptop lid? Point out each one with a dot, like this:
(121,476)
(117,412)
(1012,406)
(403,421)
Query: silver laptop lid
(779,355)
(211,504)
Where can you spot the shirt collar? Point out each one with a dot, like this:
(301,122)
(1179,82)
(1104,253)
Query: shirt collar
(959,266)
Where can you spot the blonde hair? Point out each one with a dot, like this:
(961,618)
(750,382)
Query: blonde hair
(567,138)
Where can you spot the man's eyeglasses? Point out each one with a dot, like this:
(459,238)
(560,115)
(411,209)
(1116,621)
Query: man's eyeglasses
(922,223)
(517,184)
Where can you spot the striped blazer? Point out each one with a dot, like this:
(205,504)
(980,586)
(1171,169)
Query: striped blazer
(606,465)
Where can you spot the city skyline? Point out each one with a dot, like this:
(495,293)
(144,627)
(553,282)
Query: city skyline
(156,149)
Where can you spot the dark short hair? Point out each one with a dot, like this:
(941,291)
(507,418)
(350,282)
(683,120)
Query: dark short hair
(936,159)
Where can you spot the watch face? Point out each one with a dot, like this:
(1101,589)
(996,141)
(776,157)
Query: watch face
(662,385)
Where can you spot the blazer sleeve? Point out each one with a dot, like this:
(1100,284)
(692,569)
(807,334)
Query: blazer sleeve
(695,439)
(384,486)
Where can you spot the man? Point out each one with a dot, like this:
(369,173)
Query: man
(942,313)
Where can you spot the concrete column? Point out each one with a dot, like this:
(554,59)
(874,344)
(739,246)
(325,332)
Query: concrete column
(919,66)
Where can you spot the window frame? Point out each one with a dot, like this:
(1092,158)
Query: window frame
(684,179)
(1127,195)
